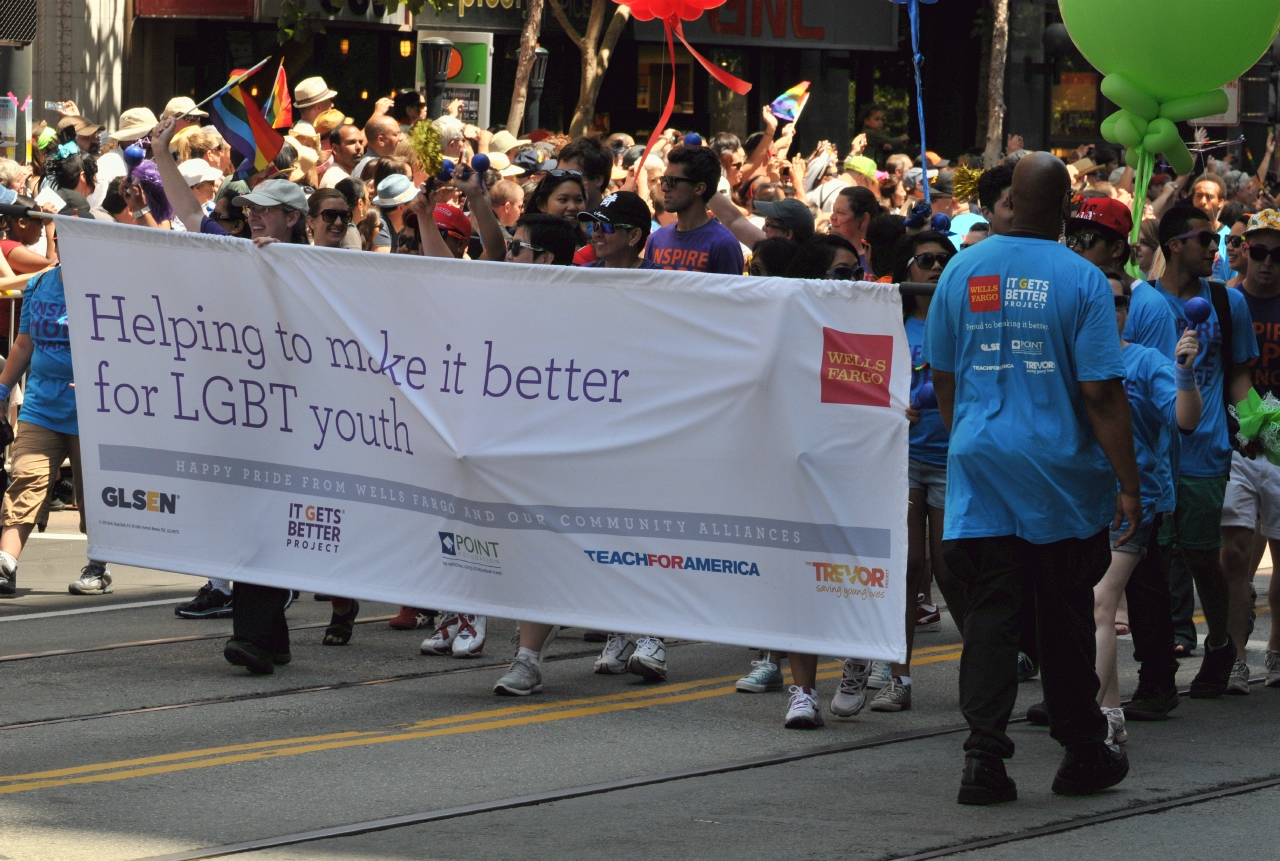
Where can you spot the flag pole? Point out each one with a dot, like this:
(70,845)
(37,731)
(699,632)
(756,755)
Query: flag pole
(227,86)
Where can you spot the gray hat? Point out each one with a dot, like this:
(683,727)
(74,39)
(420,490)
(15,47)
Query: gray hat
(795,215)
(275,192)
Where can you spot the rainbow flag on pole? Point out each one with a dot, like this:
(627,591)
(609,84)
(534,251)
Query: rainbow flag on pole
(279,107)
(242,125)
(787,107)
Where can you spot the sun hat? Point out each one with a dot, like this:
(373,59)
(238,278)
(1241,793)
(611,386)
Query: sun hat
(180,106)
(311,91)
(1267,219)
(498,161)
(134,123)
(395,190)
(504,141)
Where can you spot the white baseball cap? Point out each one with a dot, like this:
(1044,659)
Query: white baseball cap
(197,170)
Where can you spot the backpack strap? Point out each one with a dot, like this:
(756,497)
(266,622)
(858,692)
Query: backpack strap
(1222,306)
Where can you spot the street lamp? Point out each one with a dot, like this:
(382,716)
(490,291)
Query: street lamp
(537,79)
(437,53)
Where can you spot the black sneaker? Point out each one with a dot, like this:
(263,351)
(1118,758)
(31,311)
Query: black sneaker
(985,782)
(1215,671)
(209,603)
(258,662)
(1151,704)
(1089,770)
(1038,715)
(8,583)
(95,579)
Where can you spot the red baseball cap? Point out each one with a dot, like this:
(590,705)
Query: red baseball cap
(1105,212)
(452,219)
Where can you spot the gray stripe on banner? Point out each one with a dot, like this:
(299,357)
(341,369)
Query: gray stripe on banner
(634,523)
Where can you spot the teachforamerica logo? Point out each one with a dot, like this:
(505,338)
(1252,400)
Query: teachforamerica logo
(856,368)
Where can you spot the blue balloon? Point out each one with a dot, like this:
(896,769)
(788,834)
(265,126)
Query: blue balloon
(926,398)
(693,139)
(1198,310)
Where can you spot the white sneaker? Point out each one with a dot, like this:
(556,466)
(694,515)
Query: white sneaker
(1273,670)
(613,658)
(522,678)
(880,675)
(649,660)
(851,696)
(469,641)
(441,640)
(802,711)
(1116,733)
(1238,681)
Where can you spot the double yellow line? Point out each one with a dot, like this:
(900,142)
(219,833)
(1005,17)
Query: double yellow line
(481,721)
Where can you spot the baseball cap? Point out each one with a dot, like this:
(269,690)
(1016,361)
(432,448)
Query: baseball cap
(791,212)
(275,192)
(197,170)
(83,127)
(935,160)
(861,164)
(451,219)
(76,203)
(913,177)
(532,161)
(1267,219)
(621,207)
(1112,217)
(944,184)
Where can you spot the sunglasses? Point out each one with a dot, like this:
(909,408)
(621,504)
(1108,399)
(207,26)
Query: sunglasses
(255,209)
(670,182)
(1085,241)
(561,174)
(225,219)
(515,248)
(1258,253)
(929,260)
(845,272)
(1205,237)
(1122,303)
(1235,242)
(607,228)
(331,215)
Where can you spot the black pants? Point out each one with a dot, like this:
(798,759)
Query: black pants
(1151,619)
(1062,576)
(259,616)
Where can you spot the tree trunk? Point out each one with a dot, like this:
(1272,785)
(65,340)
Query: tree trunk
(596,52)
(995,83)
(528,43)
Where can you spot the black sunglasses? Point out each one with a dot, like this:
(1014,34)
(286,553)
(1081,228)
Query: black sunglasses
(670,182)
(332,215)
(1205,237)
(1122,303)
(1235,241)
(845,272)
(1258,253)
(1084,241)
(226,219)
(560,174)
(929,259)
(515,248)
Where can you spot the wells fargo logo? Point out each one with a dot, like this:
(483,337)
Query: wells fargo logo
(984,294)
(856,368)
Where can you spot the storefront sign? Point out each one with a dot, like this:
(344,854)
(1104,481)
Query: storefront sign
(851,25)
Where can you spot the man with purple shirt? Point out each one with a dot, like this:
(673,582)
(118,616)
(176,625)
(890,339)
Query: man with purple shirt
(696,242)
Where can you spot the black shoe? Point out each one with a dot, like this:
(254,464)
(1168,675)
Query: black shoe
(209,603)
(1038,715)
(1215,671)
(8,583)
(322,597)
(594,636)
(985,782)
(257,661)
(1151,704)
(1089,770)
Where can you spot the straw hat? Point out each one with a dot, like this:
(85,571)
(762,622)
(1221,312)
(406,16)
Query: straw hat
(498,161)
(328,121)
(505,141)
(311,91)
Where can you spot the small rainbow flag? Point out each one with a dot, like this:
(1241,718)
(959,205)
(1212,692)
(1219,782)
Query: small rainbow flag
(237,118)
(279,107)
(787,107)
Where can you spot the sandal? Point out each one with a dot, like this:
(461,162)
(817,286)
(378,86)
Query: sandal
(341,627)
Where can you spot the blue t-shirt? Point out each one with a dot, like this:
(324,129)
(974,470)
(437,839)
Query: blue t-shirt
(1207,452)
(1153,395)
(709,248)
(49,400)
(929,436)
(1021,322)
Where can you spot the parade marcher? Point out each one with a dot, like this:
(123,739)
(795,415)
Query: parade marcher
(346,143)
(1029,498)
(993,198)
(619,228)
(695,242)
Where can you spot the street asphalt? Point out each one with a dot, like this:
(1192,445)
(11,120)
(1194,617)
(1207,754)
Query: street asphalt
(125,735)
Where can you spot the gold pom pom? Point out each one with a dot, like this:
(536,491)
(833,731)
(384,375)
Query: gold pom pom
(425,139)
(965,183)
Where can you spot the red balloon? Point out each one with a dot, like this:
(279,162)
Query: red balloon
(664,8)
(642,14)
(689,10)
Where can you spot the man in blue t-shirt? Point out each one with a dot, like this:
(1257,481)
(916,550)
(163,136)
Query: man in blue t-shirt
(1191,539)
(696,242)
(47,431)
(1022,341)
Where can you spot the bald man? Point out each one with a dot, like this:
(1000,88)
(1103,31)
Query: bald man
(1021,338)
(382,134)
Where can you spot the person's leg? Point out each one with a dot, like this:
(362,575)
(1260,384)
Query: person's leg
(1273,601)
(1182,601)
(259,617)
(524,676)
(804,670)
(1237,546)
(95,577)
(1151,623)
(35,452)
(1106,598)
(917,569)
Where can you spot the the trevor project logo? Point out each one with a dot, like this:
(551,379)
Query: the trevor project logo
(856,368)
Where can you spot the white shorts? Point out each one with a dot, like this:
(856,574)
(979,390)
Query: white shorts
(1253,496)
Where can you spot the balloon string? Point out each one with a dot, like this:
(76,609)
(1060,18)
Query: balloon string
(738,85)
(671,100)
(1142,181)
(913,10)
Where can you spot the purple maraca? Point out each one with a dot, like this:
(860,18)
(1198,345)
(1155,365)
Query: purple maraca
(926,398)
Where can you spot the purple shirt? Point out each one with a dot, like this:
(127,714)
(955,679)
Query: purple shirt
(709,248)
(208,225)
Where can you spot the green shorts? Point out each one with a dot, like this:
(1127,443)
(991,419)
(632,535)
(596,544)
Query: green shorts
(1197,524)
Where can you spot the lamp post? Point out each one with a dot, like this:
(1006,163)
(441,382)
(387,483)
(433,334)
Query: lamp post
(537,78)
(437,53)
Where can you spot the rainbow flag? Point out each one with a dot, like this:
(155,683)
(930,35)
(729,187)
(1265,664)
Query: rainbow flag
(279,107)
(242,125)
(787,107)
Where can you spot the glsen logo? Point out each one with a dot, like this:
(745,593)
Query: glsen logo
(856,368)
(1040,367)
(990,348)
(1030,348)
(671,560)
(984,294)
(140,500)
(464,551)
(314,527)
(850,581)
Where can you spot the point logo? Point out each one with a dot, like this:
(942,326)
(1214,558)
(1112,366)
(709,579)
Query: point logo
(140,500)
(856,368)
(314,527)
(464,551)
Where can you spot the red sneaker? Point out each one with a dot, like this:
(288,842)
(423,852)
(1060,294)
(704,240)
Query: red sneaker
(411,619)
(928,617)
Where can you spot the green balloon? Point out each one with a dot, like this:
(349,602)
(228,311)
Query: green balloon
(1170,49)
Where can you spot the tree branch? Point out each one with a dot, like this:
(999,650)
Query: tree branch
(574,36)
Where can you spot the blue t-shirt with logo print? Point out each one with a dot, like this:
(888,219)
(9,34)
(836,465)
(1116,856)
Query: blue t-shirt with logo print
(49,399)
(929,435)
(1206,453)
(1021,322)
(1153,395)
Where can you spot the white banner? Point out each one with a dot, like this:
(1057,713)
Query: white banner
(672,454)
